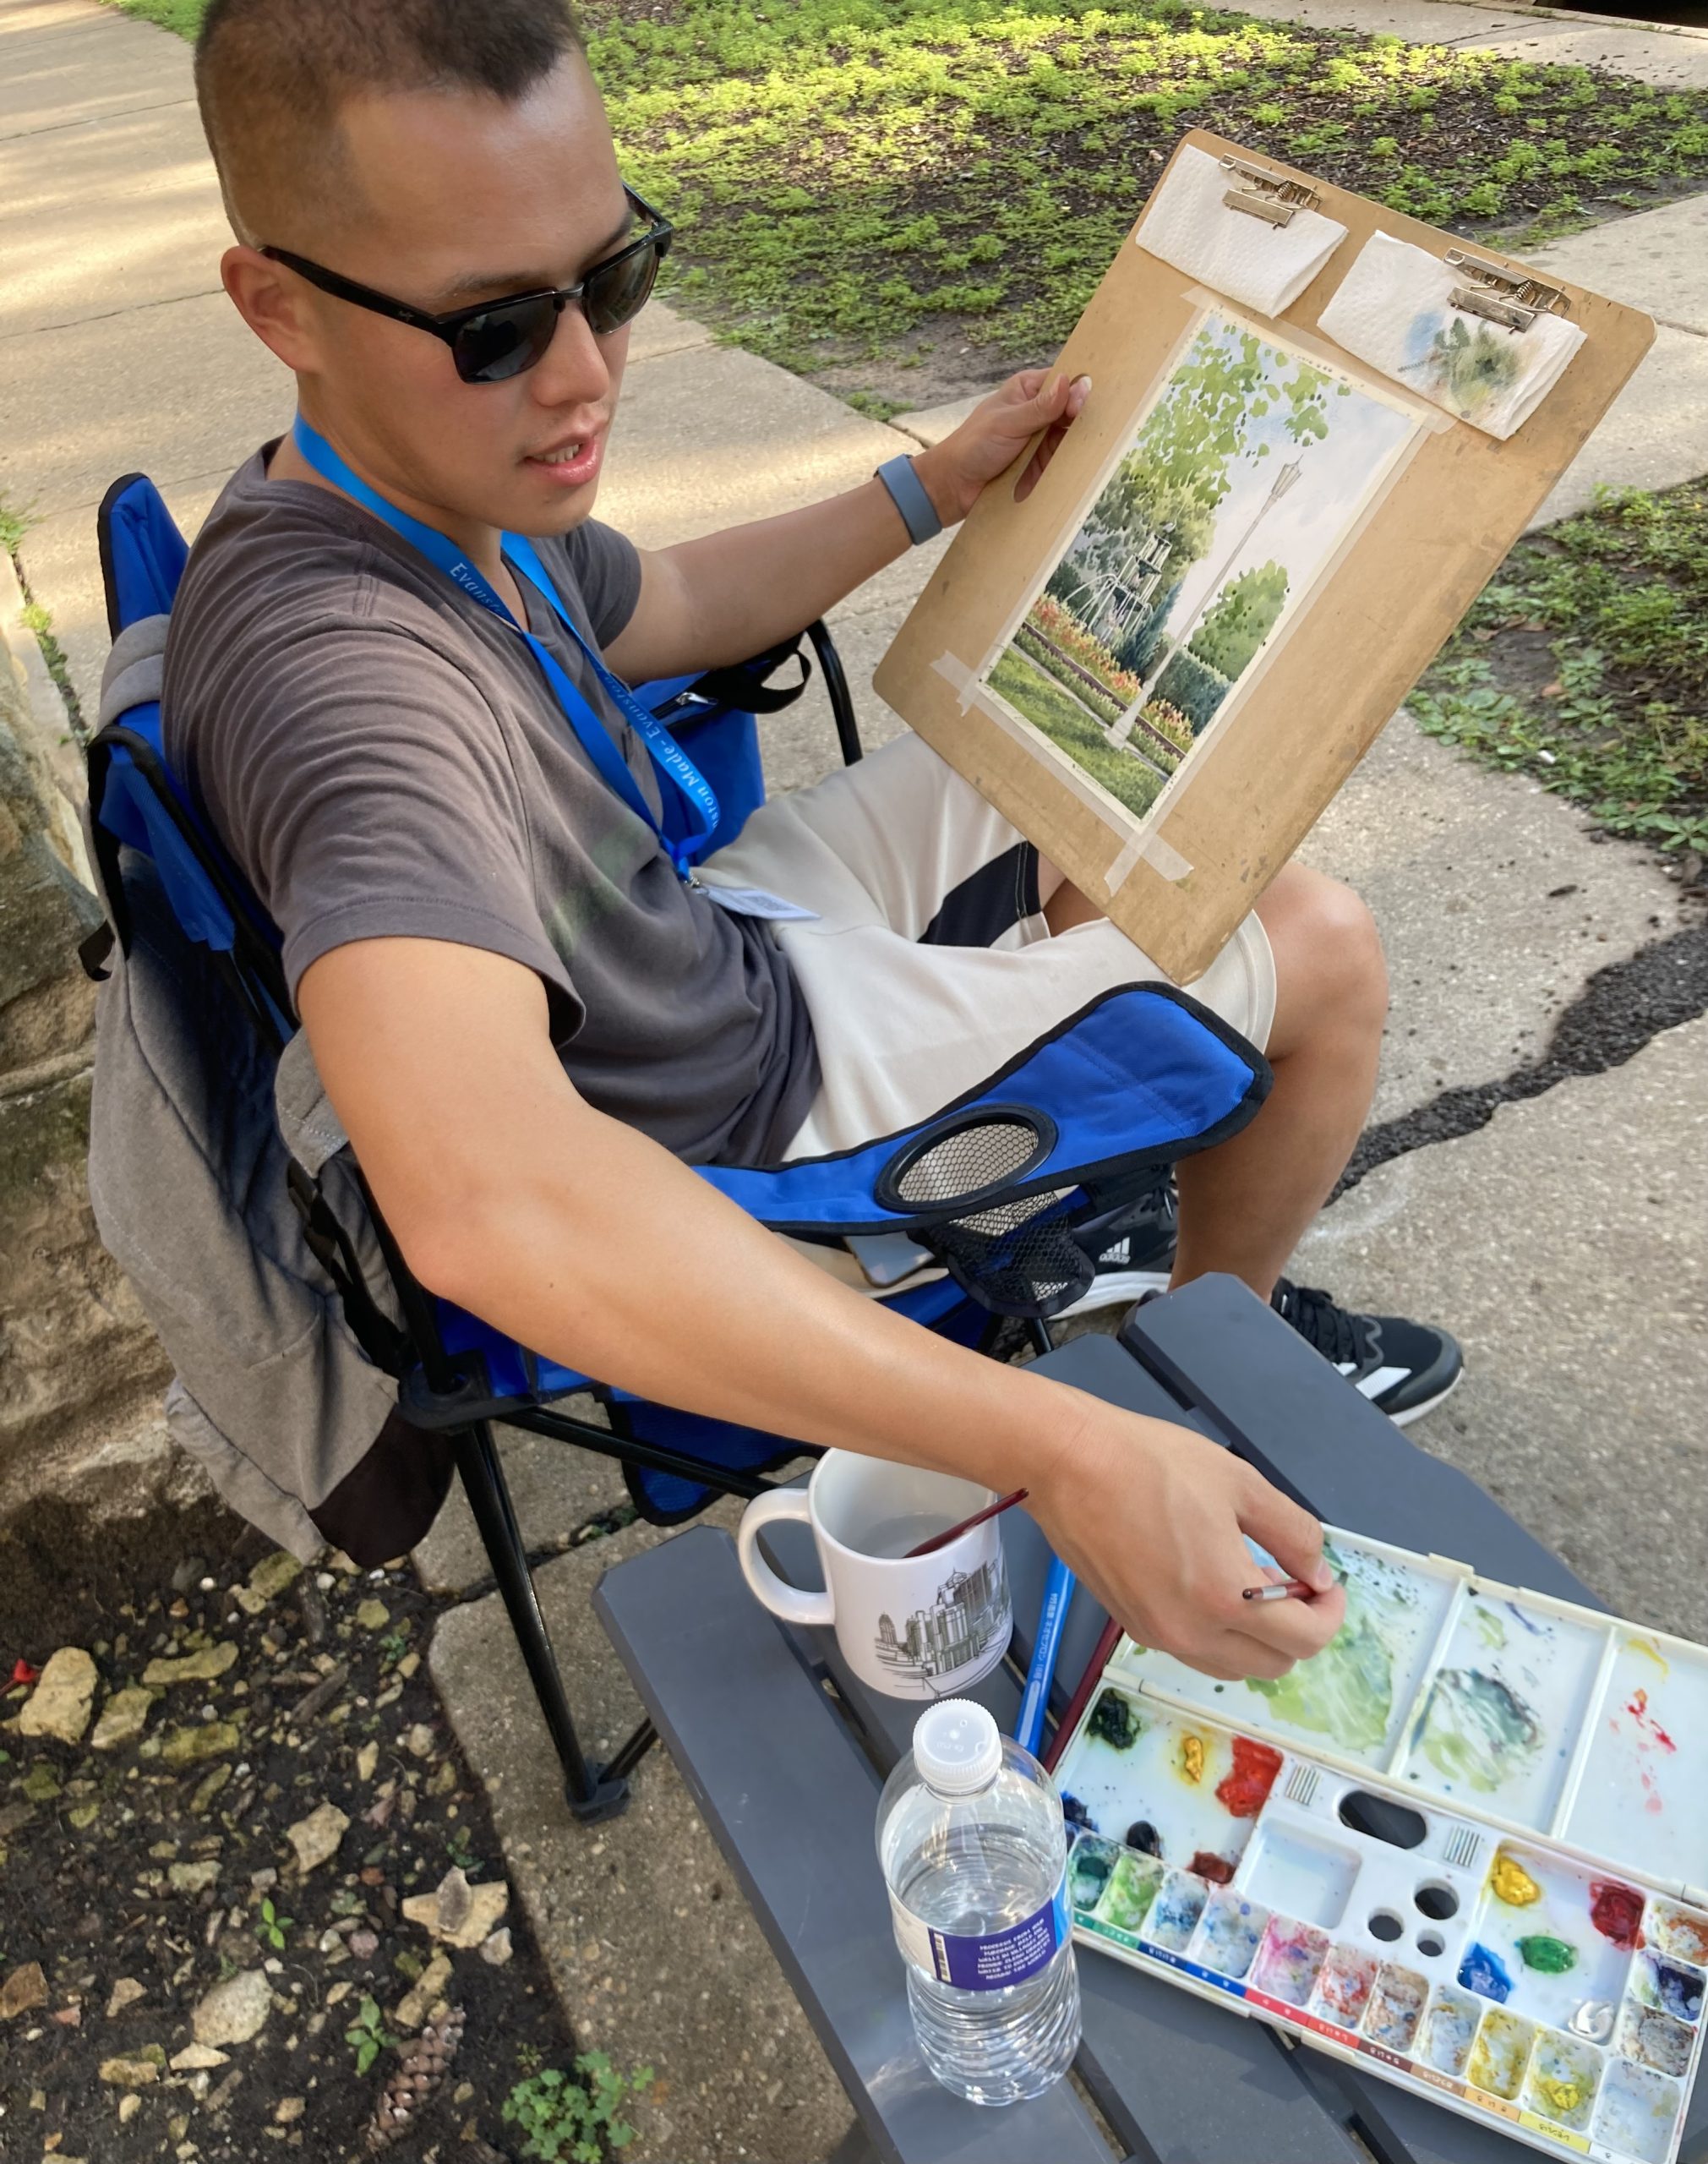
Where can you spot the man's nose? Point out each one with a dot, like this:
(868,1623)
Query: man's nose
(573,371)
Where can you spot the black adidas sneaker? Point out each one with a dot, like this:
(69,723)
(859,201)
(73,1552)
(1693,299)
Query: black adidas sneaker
(1405,1369)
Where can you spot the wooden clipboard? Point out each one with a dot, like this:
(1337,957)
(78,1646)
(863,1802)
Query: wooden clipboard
(1251,793)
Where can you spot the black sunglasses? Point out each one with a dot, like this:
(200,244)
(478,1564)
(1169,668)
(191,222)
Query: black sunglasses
(495,340)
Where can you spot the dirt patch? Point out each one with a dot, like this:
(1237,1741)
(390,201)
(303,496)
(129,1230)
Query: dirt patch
(140,1877)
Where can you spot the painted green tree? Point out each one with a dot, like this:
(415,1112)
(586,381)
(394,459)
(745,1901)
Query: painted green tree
(1241,617)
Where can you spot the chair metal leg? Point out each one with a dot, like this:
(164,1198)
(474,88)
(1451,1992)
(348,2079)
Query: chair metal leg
(593,1792)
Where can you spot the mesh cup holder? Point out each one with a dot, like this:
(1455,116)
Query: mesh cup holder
(1015,1255)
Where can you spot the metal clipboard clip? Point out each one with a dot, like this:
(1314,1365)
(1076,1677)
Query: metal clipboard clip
(1512,298)
(1266,195)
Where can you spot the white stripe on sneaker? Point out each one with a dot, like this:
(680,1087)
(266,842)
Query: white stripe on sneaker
(1380,1378)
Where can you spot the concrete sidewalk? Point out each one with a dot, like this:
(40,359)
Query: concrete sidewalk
(119,351)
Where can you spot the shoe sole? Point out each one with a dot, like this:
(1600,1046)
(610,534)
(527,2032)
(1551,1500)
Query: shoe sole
(1116,1288)
(1411,1413)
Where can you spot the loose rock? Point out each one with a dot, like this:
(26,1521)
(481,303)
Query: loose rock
(497,1950)
(59,1704)
(125,1992)
(290,2108)
(198,2059)
(316,1838)
(417,2003)
(185,1747)
(419,1742)
(366,1758)
(23,1990)
(122,1719)
(191,1877)
(235,2011)
(135,2070)
(202,1666)
(372,1615)
(458,1913)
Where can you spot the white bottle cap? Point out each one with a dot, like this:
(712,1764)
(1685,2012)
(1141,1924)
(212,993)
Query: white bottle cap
(956,1747)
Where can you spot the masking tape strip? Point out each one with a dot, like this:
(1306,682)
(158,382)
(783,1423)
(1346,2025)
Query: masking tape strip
(1151,848)
(1314,348)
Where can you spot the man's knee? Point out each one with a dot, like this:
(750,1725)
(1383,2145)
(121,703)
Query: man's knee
(1325,940)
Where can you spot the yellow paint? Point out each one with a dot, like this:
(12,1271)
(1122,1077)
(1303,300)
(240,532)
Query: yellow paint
(1512,1884)
(1191,1759)
(1564,2096)
(1650,1651)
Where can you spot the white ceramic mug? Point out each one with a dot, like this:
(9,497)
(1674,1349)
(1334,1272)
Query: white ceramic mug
(928,1626)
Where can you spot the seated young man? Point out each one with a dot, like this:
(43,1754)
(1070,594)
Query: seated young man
(530,1025)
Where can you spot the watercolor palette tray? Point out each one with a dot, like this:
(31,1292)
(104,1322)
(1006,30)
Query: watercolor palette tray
(1379,1863)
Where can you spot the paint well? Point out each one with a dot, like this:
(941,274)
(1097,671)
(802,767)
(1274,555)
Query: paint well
(1290,1958)
(1674,1986)
(1505,1711)
(1397,2000)
(1640,1802)
(1500,2055)
(1125,1901)
(1655,2039)
(1228,1932)
(1637,2112)
(1344,1987)
(1563,2080)
(1450,2030)
(1175,1913)
(1298,1875)
(1088,1871)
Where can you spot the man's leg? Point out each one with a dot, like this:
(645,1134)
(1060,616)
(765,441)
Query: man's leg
(1244,1206)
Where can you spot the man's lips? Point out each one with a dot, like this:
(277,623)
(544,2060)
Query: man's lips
(571,459)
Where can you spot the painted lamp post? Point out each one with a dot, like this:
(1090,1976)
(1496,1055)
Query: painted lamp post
(1284,478)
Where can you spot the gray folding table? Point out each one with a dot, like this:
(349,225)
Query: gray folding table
(784,1752)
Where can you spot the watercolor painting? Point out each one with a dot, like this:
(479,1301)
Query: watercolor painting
(1353,1696)
(1243,479)
(953,1630)
(1638,2111)
(1647,1771)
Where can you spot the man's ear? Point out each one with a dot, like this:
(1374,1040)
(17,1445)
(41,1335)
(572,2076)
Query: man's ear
(275,305)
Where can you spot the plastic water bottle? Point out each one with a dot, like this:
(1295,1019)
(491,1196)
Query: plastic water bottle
(972,1848)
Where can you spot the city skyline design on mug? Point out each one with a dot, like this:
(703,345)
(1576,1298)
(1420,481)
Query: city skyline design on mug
(967,1611)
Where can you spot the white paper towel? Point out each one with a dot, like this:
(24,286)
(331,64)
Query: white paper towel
(1395,310)
(1264,267)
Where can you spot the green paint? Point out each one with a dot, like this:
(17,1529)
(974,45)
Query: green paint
(1114,1721)
(1490,1628)
(1549,1957)
(1475,1728)
(1132,1888)
(1346,1692)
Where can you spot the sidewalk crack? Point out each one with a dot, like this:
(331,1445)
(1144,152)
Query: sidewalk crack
(1622,1008)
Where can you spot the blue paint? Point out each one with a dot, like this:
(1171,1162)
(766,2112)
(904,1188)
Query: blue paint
(1482,1972)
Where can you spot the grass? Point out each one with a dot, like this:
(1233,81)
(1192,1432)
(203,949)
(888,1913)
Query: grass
(862,185)
(1584,664)
(1064,721)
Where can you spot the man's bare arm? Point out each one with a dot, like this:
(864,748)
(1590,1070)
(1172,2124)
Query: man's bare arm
(572,1232)
(705,603)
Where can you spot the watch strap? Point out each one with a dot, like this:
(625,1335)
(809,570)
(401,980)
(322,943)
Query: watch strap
(911,498)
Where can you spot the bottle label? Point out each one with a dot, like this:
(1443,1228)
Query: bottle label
(988,1962)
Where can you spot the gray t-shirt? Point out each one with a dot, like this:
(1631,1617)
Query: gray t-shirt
(382,757)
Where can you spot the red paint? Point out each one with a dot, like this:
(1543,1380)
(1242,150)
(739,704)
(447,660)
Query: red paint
(1617,1911)
(22,1672)
(1217,1869)
(1246,1790)
(1639,1711)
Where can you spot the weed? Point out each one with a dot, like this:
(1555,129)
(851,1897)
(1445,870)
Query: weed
(367,2035)
(575,2119)
(1583,665)
(271,1928)
(13,525)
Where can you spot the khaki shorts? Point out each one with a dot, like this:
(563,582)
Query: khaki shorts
(929,965)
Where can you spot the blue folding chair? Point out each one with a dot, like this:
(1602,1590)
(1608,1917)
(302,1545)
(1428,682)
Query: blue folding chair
(1015,1188)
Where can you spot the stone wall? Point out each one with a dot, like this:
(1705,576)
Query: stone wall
(80,1372)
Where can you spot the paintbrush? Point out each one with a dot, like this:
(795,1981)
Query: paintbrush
(942,1539)
(1281,1589)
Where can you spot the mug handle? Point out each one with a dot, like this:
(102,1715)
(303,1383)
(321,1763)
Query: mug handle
(788,1602)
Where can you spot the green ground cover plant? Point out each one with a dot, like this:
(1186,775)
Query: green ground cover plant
(1584,664)
(913,194)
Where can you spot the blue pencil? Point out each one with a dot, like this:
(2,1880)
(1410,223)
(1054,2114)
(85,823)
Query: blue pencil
(1058,1591)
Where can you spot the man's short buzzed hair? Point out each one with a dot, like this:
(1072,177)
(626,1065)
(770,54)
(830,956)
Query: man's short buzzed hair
(271,76)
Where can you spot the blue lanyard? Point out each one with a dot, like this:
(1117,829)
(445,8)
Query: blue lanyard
(673,765)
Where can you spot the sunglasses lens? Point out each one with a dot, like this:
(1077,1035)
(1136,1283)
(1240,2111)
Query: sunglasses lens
(617,292)
(502,342)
